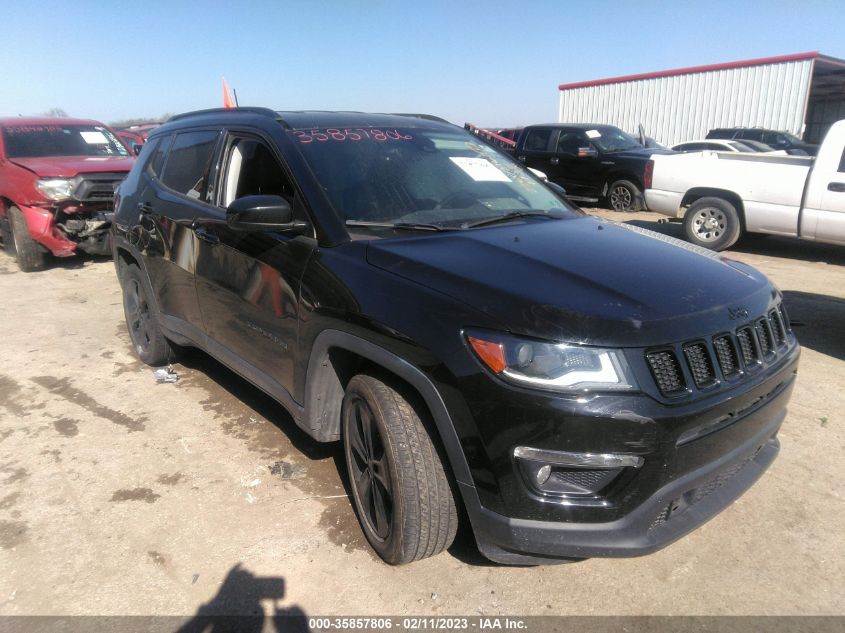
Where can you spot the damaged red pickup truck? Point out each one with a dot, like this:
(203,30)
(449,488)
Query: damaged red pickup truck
(57,183)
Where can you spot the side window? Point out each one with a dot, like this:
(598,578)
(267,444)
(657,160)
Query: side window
(189,162)
(253,170)
(842,162)
(570,141)
(538,140)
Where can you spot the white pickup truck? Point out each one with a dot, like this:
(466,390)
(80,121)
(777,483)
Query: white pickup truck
(720,195)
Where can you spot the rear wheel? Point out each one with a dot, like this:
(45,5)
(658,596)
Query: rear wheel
(399,485)
(29,254)
(712,223)
(148,341)
(623,195)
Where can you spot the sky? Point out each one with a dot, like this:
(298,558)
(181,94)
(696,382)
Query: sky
(491,63)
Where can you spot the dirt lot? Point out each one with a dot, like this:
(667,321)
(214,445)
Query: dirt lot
(122,496)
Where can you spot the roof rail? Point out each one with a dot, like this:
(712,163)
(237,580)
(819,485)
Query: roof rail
(427,117)
(251,110)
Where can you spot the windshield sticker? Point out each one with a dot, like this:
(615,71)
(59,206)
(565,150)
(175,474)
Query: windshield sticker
(480,169)
(94,138)
(324,135)
(33,129)
(593,134)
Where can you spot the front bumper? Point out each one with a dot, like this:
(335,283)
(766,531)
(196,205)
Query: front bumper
(84,230)
(672,511)
(686,479)
(665,202)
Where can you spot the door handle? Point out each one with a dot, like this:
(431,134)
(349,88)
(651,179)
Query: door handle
(206,234)
(554,160)
(836,186)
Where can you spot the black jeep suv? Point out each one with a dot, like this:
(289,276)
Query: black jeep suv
(580,387)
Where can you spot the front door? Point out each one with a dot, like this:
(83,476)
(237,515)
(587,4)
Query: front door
(575,164)
(248,281)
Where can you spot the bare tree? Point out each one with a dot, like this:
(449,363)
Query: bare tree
(56,113)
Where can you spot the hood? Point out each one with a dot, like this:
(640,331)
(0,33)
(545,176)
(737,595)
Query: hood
(581,280)
(70,166)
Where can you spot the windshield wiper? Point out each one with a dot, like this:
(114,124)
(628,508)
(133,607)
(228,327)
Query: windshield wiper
(403,226)
(508,217)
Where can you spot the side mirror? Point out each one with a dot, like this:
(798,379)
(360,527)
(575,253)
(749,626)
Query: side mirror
(262,213)
(587,152)
(556,188)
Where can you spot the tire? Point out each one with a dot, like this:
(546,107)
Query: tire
(624,196)
(148,341)
(712,223)
(409,512)
(27,251)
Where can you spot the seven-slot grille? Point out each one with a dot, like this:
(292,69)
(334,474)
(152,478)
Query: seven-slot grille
(727,355)
(700,365)
(746,348)
(667,372)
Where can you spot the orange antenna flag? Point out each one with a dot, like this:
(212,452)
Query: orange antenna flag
(228,102)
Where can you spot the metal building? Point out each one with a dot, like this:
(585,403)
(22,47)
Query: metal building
(802,94)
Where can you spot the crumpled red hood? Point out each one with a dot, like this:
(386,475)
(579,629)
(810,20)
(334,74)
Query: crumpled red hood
(70,166)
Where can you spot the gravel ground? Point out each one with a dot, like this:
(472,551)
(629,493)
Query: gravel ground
(122,496)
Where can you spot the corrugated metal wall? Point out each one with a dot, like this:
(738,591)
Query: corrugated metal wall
(684,107)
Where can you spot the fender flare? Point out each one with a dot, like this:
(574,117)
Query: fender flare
(324,394)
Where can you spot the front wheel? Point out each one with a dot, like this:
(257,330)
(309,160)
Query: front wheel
(399,485)
(712,223)
(27,251)
(624,196)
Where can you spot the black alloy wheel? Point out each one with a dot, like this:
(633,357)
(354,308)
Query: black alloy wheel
(370,470)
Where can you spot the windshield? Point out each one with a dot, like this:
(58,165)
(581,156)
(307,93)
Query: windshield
(744,146)
(612,139)
(35,141)
(421,178)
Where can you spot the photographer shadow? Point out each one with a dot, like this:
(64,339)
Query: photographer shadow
(237,607)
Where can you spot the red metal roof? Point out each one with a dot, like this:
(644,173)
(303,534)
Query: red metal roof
(692,69)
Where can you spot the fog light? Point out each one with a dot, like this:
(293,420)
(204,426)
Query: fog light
(543,474)
(573,475)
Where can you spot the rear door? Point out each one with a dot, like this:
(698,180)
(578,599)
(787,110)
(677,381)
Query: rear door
(177,193)
(536,150)
(248,282)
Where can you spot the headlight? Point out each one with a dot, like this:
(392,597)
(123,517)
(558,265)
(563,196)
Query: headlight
(553,366)
(55,188)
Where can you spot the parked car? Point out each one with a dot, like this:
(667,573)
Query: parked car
(773,138)
(712,146)
(720,196)
(715,145)
(133,141)
(593,162)
(470,338)
(143,130)
(57,183)
(757,146)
